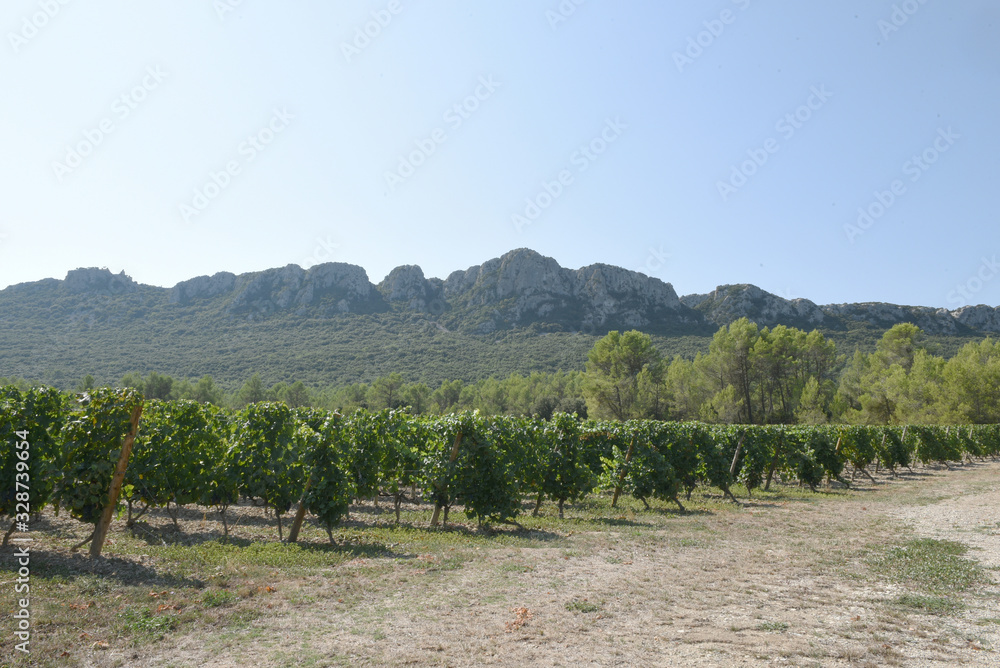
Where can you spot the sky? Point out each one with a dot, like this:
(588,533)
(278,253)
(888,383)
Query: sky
(837,150)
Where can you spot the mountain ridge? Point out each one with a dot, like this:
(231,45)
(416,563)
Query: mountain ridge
(519,312)
(540,288)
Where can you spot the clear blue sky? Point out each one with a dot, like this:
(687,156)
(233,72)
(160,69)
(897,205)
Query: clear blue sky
(159,96)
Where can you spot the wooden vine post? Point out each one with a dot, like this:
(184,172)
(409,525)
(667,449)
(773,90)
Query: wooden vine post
(836,452)
(621,476)
(451,460)
(774,461)
(902,439)
(104,524)
(878,459)
(736,457)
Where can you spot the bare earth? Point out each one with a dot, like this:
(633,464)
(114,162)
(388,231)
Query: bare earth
(785,581)
(779,585)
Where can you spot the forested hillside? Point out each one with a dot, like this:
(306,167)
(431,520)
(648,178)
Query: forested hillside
(330,327)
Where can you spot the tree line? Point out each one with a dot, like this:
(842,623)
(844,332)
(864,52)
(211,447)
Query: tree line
(750,375)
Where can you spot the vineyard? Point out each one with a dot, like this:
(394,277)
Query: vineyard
(109,452)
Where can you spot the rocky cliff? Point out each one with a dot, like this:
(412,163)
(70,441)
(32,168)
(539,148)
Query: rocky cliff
(99,281)
(980,318)
(407,285)
(731,302)
(328,288)
(520,289)
(523,287)
(517,313)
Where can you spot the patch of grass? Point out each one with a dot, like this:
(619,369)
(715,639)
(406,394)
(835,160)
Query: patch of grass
(515,567)
(933,605)
(935,565)
(141,624)
(263,554)
(215,599)
(986,621)
(243,618)
(536,534)
(774,627)
(451,562)
(93,585)
(584,606)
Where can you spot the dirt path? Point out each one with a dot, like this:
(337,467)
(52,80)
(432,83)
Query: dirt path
(778,585)
(967,512)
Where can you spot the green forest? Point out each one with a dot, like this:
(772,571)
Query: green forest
(749,375)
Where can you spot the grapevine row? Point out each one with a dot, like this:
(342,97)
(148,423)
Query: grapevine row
(317,462)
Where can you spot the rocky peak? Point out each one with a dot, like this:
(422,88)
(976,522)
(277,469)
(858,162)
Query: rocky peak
(202,287)
(728,303)
(983,318)
(99,281)
(521,272)
(407,284)
(884,316)
(335,287)
(350,280)
(601,282)
(523,286)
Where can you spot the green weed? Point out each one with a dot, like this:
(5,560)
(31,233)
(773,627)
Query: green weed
(935,565)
